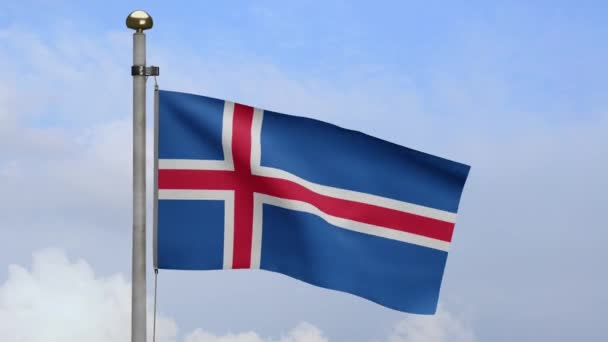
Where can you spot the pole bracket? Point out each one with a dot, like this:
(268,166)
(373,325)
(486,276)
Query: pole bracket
(142,70)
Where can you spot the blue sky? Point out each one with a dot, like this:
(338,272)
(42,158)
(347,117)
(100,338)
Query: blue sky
(517,90)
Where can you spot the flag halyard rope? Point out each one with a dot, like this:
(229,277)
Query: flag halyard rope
(155,296)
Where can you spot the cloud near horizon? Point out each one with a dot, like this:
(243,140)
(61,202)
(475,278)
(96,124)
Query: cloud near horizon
(57,299)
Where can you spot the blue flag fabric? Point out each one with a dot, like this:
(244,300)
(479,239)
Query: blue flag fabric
(243,188)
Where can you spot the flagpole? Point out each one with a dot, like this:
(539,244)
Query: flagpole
(139,21)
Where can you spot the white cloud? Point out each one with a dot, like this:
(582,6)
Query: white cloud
(442,327)
(63,301)
(303,332)
(201,336)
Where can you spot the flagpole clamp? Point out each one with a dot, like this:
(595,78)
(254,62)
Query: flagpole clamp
(142,70)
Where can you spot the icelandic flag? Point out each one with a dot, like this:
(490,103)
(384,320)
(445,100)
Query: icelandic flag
(244,188)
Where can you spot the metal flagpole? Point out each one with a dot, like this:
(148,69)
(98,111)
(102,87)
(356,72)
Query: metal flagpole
(139,21)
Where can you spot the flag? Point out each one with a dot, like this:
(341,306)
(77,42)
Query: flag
(243,188)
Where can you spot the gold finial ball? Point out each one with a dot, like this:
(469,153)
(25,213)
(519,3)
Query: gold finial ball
(139,20)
